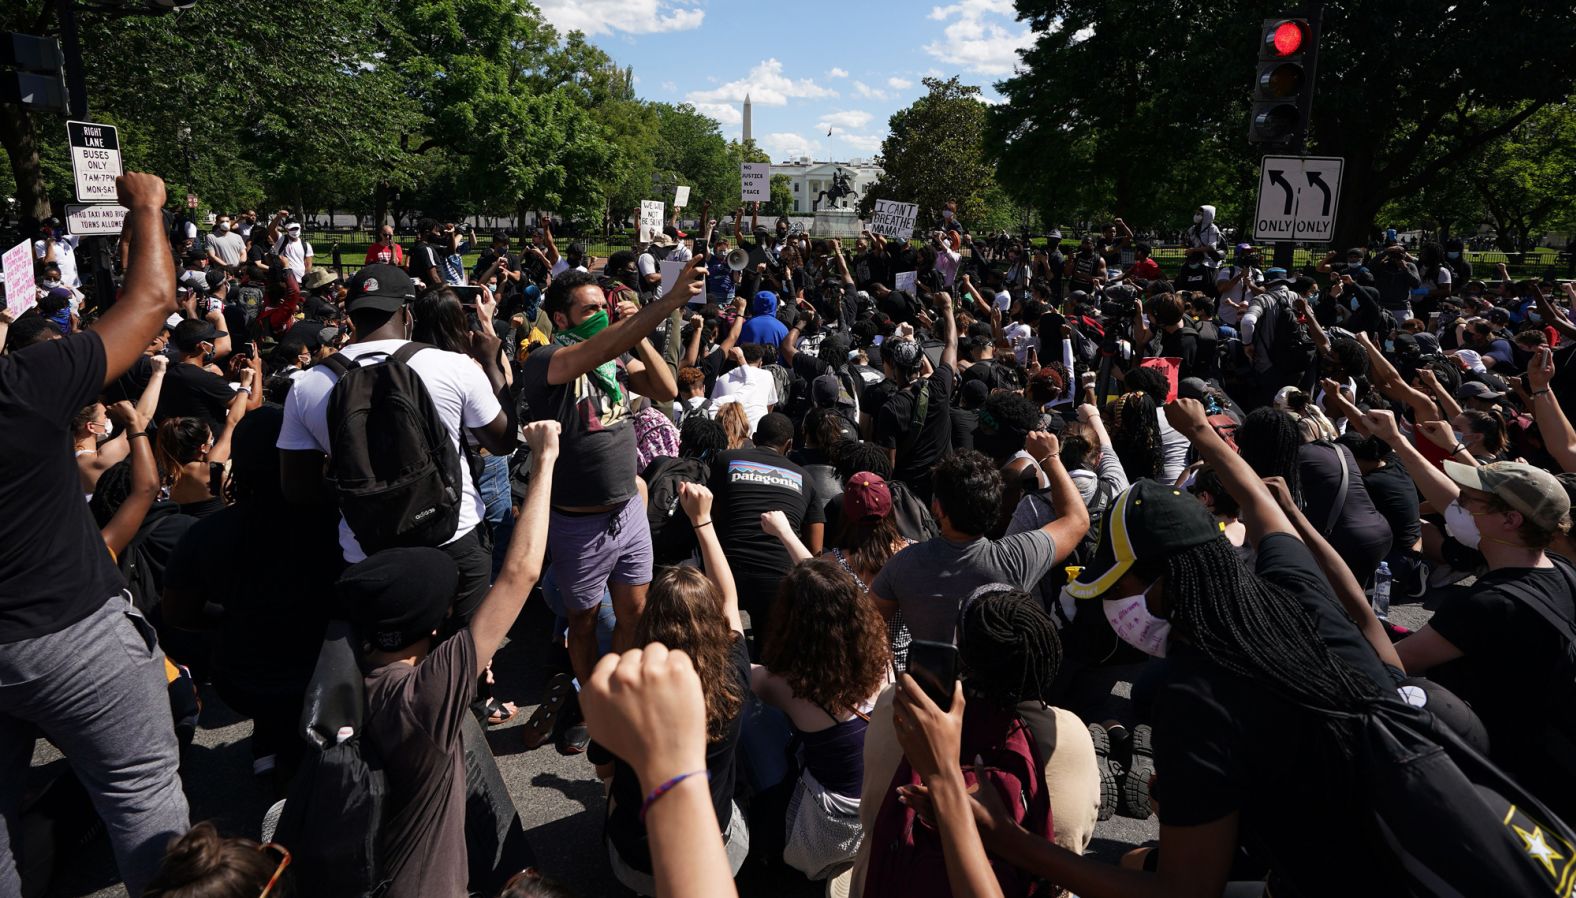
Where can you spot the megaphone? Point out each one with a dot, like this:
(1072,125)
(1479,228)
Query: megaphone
(738,260)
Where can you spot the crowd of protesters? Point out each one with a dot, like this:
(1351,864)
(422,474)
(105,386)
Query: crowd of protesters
(845,576)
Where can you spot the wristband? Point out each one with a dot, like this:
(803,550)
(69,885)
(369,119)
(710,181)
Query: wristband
(246,390)
(701,524)
(665,788)
(136,433)
(1041,462)
(1536,393)
(1460,447)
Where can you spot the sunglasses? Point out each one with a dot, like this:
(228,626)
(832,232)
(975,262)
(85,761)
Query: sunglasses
(284,861)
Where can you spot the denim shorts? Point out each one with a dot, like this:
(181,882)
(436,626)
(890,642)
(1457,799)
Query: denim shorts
(592,550)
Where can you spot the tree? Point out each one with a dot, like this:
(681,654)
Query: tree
(935,154)
(1152,120)
(781,202)
(1526,180)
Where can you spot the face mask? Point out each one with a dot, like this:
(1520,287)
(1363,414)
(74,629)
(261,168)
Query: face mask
(947,214)
(1452,255)
(294,236)
(1130,618)
(1460,524)
(1198,218)
(1355,304)
(1354,263)
(590,327)
(109,429)
(1533,316)
(224,227)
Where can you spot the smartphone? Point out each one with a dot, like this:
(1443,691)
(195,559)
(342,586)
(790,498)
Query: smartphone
(251,350)
(469,294)
(934,666)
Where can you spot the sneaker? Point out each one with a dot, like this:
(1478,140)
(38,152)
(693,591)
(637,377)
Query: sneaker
(1102,762)
(1134,800)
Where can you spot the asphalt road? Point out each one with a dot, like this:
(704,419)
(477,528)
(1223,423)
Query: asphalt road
(559,798)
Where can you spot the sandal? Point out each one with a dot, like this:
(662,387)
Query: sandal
(538,729)
(499,713)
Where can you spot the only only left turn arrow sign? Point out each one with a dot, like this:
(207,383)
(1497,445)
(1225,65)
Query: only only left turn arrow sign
(1298,198)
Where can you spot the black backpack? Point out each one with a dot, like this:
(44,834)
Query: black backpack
(395,469)
(334,813)
(672,538)
(1559,730)
(1289,336)
(1454,823)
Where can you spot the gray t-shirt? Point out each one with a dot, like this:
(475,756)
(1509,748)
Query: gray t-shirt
(929,580)
(229,247)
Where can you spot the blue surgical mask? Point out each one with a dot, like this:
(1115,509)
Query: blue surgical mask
(1452,255)
(1355,304)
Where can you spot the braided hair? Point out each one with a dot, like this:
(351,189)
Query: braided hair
(113,486)
(1268,441)
(1008,646)
(1135,435)
(1257,630)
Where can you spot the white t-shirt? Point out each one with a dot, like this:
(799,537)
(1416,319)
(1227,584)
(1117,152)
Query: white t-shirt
(754,387)
(646,264)
(562,265)
(1004,300)
(65,257)
(694,404)
(1022,337)
(1237,293)
(294,254)
(457,386)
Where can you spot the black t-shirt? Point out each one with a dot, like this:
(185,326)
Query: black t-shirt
(425,257)
(1361,534)
(597,466)
(624,828)
(747,483)
(1510,654)
(1182,344)
(1199,280)
(964,422)
(1221,739)
(1395,496)
(1206,361)
(919,452)
(55,569)
(272,627)
(193,392)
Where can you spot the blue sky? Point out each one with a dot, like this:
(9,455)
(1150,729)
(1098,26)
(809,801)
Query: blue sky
(809,66)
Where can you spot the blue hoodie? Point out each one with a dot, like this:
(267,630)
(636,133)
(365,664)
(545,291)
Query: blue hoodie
(762,326)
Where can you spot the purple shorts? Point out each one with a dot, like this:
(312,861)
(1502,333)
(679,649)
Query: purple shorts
(590,551)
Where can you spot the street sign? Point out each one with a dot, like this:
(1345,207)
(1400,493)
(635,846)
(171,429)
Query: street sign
(21,293)
(1298,198)
(86,221)
(95,160)
(191,200)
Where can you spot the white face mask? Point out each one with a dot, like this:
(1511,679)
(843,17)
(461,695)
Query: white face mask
(224,227)
(1461,525)
(1132,621)
(109,429)
(1198,218)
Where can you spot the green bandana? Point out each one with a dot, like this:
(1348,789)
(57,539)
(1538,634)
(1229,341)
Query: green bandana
(605,374)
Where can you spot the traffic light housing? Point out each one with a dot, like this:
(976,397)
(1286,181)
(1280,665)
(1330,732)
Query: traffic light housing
(30,72)
(1283,87)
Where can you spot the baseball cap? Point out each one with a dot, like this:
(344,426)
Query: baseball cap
(1474,390)
(904,354)
(1149,520)
(379,286)
(399,596)
(824,390)
(975,393)
(1534,492)
(194,331)
(866,498)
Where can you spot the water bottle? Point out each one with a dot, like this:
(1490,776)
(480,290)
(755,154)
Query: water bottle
(1382,590)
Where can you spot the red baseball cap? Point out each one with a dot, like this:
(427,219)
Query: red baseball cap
(866,498)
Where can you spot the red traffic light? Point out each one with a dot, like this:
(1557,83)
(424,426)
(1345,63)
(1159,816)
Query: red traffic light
(1286,38)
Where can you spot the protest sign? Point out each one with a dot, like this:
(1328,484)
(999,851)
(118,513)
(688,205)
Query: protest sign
(893,219)
(905,281)
(681,196)
(20,292)
(650,220)
(670,274)
(756,178)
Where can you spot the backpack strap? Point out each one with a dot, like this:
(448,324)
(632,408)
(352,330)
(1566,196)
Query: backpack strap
(921,411)
(1340,494)
(404,353)
(1535,600)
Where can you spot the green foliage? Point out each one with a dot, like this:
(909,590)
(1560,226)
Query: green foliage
(781,202)
(935,154)
(1141,107)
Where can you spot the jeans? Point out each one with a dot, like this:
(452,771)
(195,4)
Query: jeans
(96,690)
(604,614)
(494,487)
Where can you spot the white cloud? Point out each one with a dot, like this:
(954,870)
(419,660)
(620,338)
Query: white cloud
(787,144)
(670,87)
(865,143)
(631,16)
(868,92)
(726,113)
(848,118)
(897,83)
(981,36)
(766,85)
(836,72)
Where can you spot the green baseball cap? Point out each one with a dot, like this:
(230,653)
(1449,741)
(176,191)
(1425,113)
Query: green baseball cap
(1537,494)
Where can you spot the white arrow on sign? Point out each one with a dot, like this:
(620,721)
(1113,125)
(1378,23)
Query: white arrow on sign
(1298,198)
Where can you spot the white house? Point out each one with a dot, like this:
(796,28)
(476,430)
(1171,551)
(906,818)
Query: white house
(807,179)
